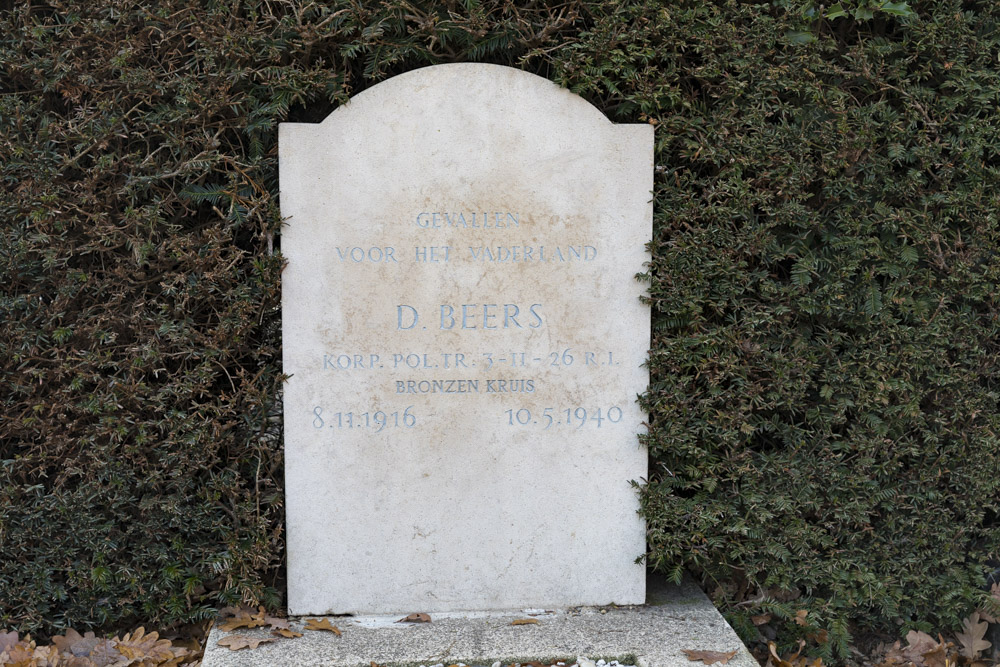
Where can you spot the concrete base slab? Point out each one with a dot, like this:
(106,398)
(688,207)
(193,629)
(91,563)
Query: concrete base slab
(650,635)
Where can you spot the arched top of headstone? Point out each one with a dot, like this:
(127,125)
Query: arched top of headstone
(462,87)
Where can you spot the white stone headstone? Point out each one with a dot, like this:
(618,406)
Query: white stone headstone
(464,334)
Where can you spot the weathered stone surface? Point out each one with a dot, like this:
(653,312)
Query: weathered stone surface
(465,340)
(656,635)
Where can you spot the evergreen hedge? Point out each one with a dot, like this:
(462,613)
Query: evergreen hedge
(823,403)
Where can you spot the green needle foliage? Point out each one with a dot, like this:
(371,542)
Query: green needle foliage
(824,363)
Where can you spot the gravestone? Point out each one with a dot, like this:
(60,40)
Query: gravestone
(465,341)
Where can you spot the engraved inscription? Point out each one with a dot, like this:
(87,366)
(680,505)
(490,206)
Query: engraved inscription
(466,220)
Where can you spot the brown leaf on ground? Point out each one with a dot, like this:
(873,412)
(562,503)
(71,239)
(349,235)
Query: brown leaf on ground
(971,637)
(277,623)
(375,664)
(226,612)
(324,624)
(179,660)
(136,649)
(709,657)
(27,654)
(105,654)
(525,621)
(893,655)
(245,619)
(937,657)
(48,656)
(775,659)
(7,640)
(285,632)
(918,643)
(146,648)
(415,618)
(191,644)
(237,642)
(792,661)
(761,619)
(922,651)
(76,644)
(20,653)
(800,616)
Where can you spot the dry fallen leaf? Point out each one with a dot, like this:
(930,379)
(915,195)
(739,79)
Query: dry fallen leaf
(19,653)
(73,643)
(237,642)
(192,643)
(971,637)
(322,624)
(525,621)
(800,616)
(245,619)
(137,648)
(761,619)
(145,648)
(794,660)
(937,657)
(105,653)
(7,640)
(285,632)
(415,618)
(47,655)
(918,643)
(277,623)
(773,648)
(709,657)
